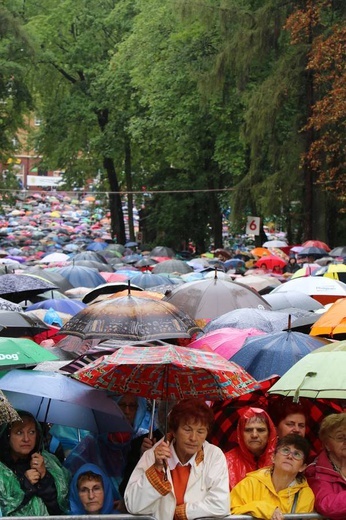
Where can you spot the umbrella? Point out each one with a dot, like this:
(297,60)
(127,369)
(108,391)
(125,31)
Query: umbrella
(338,251)
(18,324)
(275,243)
(269,262)
(50,276)
(54,258)
(316,243)
(132,319)
(335,271)
(172,266)
(246,318)
(162,251)
(80,276)
(258,283)
(22,352)
(324,290)
(332,322)
(58,399)
(319,374)
(167,372)
(6,305)
(146,280)
(260,251)
(283,300)
(312,251)
(108,288)
(225,342)
(93,256)
(7,413)
(264,356)
(18,287)
(66,306)
(209,298)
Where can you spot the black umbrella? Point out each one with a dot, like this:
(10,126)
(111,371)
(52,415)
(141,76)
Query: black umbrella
(6,305)
(17,324)
(51,276)
(19,287)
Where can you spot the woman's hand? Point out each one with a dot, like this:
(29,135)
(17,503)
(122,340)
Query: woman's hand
(162,454)
(33,476)
(277,515)
(37,463)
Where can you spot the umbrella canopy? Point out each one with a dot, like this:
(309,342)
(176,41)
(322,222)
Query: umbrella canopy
(172,266)
(324,290)
(51,276)
(18,324)
(274,243)
(80,276)
(146,280)
(7,413)
(92,256)
(61,305)
(131,319)
(269,262)
(225,342)
(54,258)
(6,305)
(284,300)
(258,282)
(335,271)
(108,288)
(332,322)
(265,356)
(312,251)
(338,251)
(264,320)
(209,298)
(317,243)
(167,372)
(57,399)
(260,251)
(18,287)
(22,352)
(162,251)
(319,374)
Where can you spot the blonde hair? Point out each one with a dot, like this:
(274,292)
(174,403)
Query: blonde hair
(330,424)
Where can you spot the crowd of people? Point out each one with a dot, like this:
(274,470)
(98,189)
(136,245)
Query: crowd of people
(178,474)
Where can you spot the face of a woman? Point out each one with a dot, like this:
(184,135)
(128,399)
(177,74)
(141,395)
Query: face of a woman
(292,423)
(289,460)
(255,436)
(91,494)
(189,439)
(128,404)
(22,437)
(336,444)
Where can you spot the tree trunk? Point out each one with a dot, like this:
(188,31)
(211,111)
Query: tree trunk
(116,210)
(128,176)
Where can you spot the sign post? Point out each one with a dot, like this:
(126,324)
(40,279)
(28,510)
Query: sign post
(253,225)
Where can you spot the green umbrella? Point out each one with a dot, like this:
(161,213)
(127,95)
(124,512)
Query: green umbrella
(320,374)
(23,352)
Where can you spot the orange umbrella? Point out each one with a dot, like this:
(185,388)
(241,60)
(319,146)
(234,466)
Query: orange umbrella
(332,322)
(260,251)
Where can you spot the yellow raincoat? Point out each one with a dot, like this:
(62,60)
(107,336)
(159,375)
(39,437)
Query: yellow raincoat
(255,495)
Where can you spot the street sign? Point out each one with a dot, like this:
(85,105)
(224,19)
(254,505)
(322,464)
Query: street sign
(253,225)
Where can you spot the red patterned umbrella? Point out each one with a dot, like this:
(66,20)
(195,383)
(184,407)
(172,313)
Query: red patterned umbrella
(167,372)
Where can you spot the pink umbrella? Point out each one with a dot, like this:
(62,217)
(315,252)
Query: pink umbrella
(225,342)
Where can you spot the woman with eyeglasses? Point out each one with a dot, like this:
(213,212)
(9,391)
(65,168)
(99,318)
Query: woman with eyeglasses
(271,492)
(327,474)
(91,492)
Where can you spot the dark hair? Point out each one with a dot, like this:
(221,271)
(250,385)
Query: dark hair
(89,475)
(299,442)
(280,409)
(190,410)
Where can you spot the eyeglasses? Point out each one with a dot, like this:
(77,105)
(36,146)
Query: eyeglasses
(87,491)
(296,454)
(338,438)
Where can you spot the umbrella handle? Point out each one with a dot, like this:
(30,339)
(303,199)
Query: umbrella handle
(296,393)
(152,418)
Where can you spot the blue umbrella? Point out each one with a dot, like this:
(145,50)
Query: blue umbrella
(263,356)
(146,280)
(80,276)
(67,306)
(96,246)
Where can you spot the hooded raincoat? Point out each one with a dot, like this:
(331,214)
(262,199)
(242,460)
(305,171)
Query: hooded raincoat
(329,488)
(76,506)
(240,460)
(18,497)
(108,451)
(255,495)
